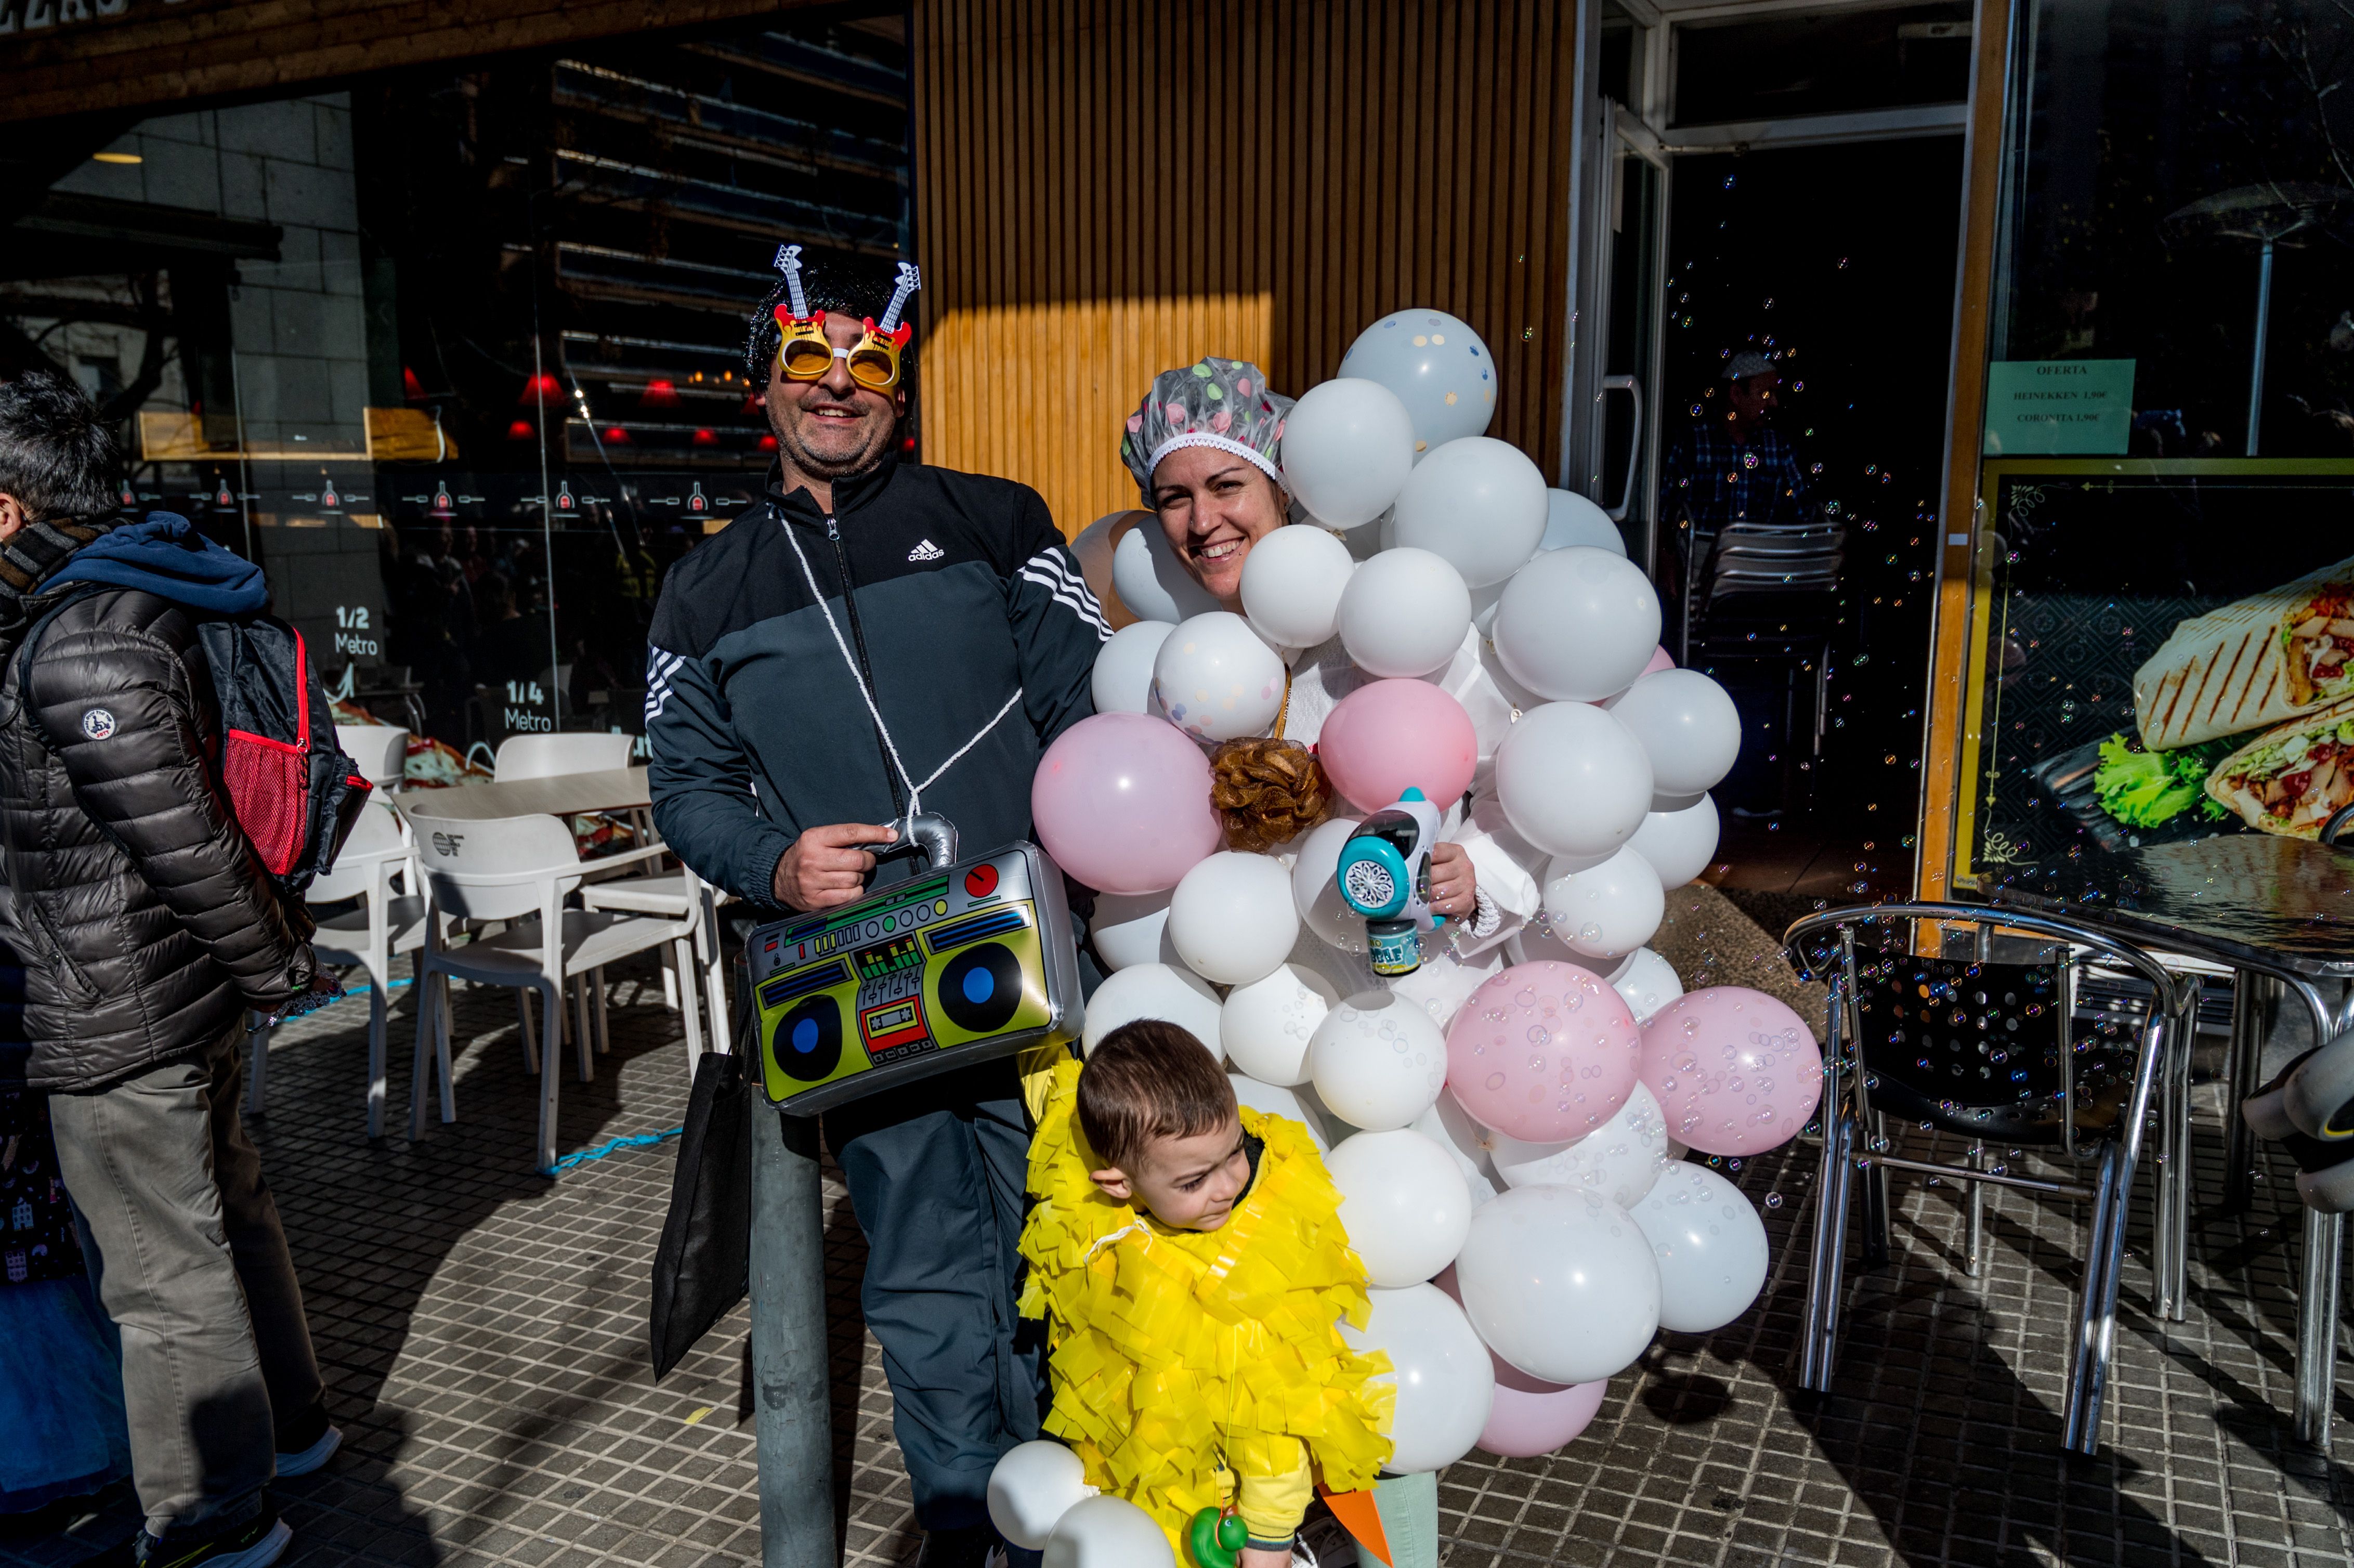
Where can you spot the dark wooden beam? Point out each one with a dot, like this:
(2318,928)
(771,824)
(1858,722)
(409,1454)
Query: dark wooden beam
(77,57)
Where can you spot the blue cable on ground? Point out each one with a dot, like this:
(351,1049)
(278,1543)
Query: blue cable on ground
(611,1145)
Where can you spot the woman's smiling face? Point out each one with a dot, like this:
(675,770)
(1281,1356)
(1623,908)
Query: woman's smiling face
(1214,506)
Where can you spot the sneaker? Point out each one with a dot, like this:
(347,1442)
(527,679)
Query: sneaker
(1326,1543)
(304,1460)
(256,1544)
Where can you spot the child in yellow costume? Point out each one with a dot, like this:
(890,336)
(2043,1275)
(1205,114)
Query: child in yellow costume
(1189,1260)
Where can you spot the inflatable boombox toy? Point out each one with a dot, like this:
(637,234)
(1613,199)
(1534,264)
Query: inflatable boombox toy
(967,962)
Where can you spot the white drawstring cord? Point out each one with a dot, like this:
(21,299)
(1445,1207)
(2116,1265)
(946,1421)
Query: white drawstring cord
(914,791)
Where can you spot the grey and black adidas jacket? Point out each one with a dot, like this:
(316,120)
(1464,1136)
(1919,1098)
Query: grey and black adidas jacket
(967,614)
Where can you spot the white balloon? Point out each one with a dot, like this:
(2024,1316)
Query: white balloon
(1108,1532)
(1123,677)
(1446,1384)
(1535,943)
(1316,888)
(1274,1100)
(1377,1061)
(1570,519)
(1404,1203)
(1477,503)
(1648,984)
(1560,1283)
(1132,928)
(1153,991)
(1033,1486)
(1678,843)
(1231,917)
(1403,613)
(1292,581)
(1571,780)
(1217,679)
(1577,625)
(1689,729)
(1152,581)
(1709,1246)
(1608,910)
(1348,446)
(1437,365)
(1619,1160)
(1466,1143)
(1266,1024)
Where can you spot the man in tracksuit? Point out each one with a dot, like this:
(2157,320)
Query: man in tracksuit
(955,605)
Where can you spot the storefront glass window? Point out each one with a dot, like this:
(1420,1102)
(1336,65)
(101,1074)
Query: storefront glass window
(457,354)
(2162,571)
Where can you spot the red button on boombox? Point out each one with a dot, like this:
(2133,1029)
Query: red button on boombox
(981,881)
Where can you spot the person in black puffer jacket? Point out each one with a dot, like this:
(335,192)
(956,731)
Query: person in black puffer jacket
(148,929)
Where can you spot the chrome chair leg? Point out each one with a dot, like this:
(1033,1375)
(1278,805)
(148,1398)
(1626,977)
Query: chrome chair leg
(2097,1308)
(2179,1171)
(2316,1327)
(1873,1134)
(2252,1007)
(1975,1259)
(1826,1268)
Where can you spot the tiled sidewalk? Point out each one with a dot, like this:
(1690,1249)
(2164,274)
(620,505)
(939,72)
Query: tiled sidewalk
(483,1334)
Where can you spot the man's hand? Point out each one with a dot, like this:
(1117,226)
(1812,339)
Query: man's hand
(1453,885)
(826,867)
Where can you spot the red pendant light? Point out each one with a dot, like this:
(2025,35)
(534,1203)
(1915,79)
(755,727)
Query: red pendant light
(661,393)
(616,437)
(540,388)
(521,430)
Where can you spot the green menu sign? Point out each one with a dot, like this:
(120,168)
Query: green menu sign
(2057,408)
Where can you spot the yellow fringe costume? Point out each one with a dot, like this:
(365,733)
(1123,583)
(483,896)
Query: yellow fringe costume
(1182,1359)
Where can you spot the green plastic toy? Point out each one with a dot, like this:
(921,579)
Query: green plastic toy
(1217,1537)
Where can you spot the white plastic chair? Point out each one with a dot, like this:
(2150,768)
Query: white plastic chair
(547,755)
(380,749)
(385,926)
(515,868)
(679,894)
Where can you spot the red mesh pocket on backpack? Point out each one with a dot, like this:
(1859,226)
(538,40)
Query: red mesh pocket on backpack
(269,785)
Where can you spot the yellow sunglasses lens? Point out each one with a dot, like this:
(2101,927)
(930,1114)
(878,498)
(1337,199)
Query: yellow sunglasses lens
(875,367)
(805,358)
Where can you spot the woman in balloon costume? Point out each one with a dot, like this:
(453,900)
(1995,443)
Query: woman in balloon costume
(1366,649)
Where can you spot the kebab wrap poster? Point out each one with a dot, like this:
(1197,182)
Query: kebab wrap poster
(2162,656)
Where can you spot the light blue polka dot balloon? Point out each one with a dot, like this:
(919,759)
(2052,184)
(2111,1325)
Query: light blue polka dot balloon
(1439,368)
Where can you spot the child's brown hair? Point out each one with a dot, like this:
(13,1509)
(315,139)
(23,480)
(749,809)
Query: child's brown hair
(1145,1080)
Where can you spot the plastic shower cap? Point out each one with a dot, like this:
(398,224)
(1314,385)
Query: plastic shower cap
(1221,403)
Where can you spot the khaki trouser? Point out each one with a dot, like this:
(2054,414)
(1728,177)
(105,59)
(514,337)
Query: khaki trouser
(190,1261)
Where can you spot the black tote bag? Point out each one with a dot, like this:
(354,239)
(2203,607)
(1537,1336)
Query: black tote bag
(703,1265)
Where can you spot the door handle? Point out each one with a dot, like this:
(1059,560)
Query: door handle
(1634,389)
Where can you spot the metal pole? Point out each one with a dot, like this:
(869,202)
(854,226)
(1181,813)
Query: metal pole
(793,1418)
(2316,1327)
(2256,376)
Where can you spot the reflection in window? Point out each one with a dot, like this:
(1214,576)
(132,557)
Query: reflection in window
(457,354)
(2154,149)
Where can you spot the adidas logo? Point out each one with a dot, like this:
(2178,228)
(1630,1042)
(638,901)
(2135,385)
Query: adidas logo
(927,551)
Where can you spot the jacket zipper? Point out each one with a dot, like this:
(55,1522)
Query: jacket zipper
(865,668)
(76,979)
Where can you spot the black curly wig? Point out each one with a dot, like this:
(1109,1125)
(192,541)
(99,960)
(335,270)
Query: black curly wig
(853,286)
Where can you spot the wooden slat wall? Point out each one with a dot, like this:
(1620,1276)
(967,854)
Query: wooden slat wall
(1107,189)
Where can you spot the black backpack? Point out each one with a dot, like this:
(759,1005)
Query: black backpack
(289,786)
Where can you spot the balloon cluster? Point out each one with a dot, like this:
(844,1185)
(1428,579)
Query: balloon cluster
(1509,1162)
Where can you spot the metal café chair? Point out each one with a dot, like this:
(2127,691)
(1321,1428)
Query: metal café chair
(1986,1051)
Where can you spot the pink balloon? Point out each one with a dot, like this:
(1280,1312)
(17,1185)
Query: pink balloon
(1545,1051)
(1659,660)
(1123,803)
(1529,1418)
(1389,737)
(1736,1072)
